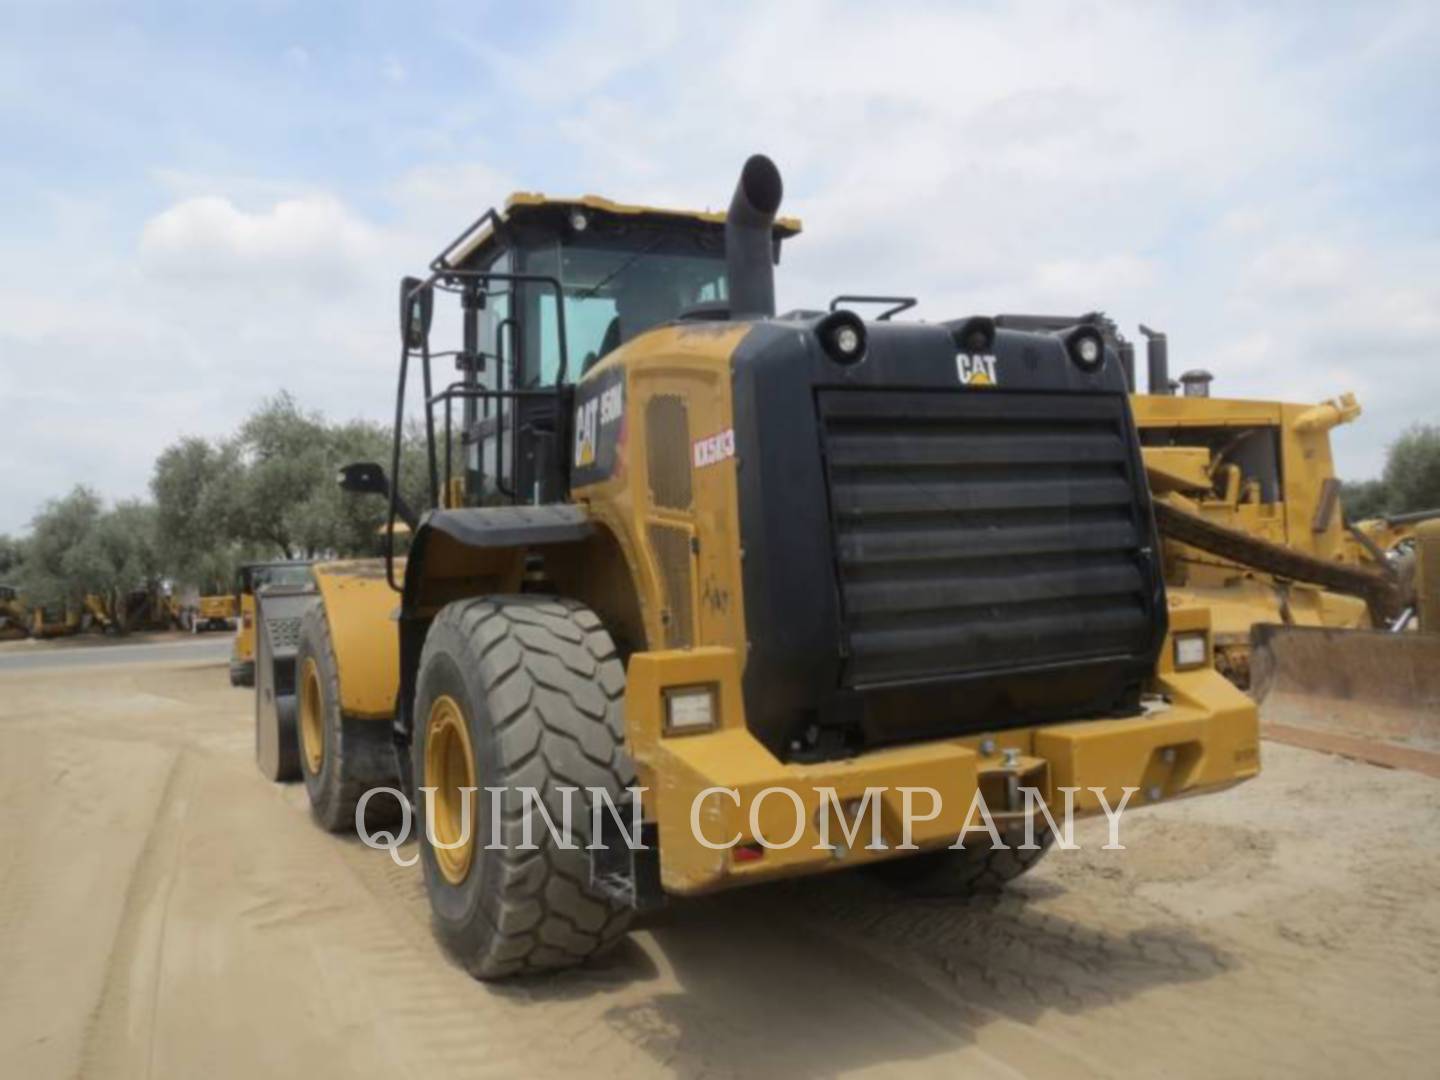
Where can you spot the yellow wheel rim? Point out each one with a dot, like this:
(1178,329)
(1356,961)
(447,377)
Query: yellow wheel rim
(449,767)
(312,714)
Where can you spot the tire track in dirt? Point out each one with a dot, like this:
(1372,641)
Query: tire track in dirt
(120,1034)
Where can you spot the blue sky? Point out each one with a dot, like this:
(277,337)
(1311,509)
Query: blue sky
(206,203)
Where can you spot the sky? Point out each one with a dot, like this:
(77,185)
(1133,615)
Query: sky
(204,204)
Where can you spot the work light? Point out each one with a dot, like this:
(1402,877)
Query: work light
(1190,650)
(690,709)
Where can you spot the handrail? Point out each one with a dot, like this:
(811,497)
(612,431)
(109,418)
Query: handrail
(901,303)
(448,276)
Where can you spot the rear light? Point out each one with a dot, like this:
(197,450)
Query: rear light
(1191,650)
(748,853)
(690,709)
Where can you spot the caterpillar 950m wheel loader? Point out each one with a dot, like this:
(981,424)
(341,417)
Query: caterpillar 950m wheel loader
(722,569)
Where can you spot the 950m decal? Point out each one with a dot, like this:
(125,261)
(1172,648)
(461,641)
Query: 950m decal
(599,427)
(976,369)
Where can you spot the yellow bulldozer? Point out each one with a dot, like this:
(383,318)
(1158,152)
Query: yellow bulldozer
(1249,504)
(712,571)
(1329,624)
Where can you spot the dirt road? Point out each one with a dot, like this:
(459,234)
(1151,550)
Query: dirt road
(165,912)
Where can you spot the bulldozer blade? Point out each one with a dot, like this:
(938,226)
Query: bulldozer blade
(1346,690)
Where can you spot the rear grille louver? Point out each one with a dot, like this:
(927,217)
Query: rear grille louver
(983,531)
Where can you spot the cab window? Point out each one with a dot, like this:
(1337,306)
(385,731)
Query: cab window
(611,295)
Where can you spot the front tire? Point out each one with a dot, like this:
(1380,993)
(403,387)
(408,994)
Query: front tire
(518,692)
(340,758)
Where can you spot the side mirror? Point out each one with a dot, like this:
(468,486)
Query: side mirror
(364,478)
(368,478)
(417,305)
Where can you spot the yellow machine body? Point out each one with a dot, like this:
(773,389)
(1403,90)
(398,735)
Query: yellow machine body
(664,574)
(14,614)
(251,577)
(221,607)
(660,562)
(243,651)
(361,607)
(54,620)
(1296,506)
(1203,739)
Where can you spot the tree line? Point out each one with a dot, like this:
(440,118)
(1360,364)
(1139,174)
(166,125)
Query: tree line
(1410,481)
(267,491)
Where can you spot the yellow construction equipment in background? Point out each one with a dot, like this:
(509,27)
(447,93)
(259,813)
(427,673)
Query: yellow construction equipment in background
(1318,617)
(210,613)
(250,578)
(14,615)
(1382,687)
(54,620)
(1248,502)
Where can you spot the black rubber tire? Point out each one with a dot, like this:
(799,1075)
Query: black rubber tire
(976,868)
(358,754)
(242,673)
(541,688)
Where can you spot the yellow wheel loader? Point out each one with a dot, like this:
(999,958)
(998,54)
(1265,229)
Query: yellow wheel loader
(250,579)
(703,572)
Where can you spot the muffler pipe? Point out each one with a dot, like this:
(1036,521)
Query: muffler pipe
(750,239)
(1157,360)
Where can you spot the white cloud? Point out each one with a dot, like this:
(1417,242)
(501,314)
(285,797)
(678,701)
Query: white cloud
(1203,172)
(209,236)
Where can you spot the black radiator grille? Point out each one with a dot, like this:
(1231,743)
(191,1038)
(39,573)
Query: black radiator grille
(982,531)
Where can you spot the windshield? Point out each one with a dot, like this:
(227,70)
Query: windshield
(611,295)
(260,576)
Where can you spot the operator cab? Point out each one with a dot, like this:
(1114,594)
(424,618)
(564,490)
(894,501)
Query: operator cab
(604,271)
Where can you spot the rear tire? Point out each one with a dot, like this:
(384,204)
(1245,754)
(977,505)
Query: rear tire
(964,872)
(538,688)
(242,673)
(340,758)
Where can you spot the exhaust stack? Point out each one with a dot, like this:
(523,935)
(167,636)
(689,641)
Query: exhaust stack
(1157,360)
(750,240)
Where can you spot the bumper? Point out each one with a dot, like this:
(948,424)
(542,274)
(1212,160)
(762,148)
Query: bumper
(1206,738)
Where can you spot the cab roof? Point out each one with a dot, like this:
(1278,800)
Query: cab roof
(523,206)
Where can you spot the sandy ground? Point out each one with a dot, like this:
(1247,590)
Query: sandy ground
(166,912)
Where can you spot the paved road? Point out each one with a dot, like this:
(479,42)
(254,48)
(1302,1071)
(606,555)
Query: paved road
(166,652)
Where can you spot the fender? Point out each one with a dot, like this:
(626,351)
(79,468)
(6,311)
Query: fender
(462,553)
(456,550)
(360,608)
